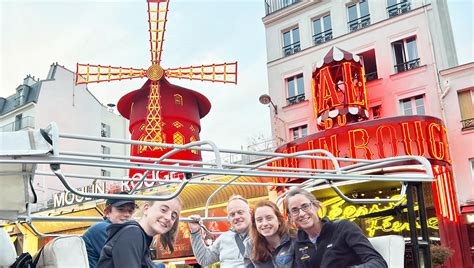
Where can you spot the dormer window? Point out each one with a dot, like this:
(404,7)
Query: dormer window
(20,96)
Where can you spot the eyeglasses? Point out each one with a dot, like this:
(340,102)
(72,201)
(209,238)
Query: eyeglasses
(304,207)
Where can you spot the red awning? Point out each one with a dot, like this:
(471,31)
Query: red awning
(468,209)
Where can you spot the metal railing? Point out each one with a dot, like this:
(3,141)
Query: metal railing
(359,23)
(467,124)
(405,66)
(275,5)
(25,122)
(295,99)
(371,76)
(322,37)
(291,49)
(398,9)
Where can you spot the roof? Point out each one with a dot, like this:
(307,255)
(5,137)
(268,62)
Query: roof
(10,103)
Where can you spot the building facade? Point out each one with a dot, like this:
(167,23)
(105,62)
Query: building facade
(36,103)
(404,45)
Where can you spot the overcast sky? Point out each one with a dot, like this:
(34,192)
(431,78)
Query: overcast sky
(34,34)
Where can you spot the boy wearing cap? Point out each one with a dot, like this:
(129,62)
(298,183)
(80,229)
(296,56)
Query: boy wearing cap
(116,211)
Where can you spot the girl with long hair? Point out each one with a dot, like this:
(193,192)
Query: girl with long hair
(270,243)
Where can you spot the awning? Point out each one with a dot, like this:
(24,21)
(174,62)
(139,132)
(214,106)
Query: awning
(51,227)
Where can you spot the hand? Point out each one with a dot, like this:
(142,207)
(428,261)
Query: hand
(194,225)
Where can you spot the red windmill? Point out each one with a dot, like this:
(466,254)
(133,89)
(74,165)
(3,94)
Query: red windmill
(159,108)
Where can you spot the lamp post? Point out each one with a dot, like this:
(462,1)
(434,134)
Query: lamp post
(266,99)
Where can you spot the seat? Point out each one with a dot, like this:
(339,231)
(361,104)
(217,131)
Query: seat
(392,249)
(62,252)
(7,250)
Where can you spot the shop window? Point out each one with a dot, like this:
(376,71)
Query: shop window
(405,54)
(295,87)
(291,42)
(322,29)
(370,65)
(397,7)
(104,130)
(413,105)
(358,15)
(466,107)
(299,132)
(376,112)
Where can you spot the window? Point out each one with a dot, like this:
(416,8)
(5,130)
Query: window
(397,7)
(18,119)
(291,41)
(370,65)
(376,112)
(104,130)
(322,30)
(20,96)
(413,105)
(295,86)
(105,150)
(466,106)
(405,54)
(299,132)
(358,15)
(104,173)
(472,168)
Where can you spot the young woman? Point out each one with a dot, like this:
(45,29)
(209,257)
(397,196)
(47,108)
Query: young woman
(128,244)
(326,243)
(269,244)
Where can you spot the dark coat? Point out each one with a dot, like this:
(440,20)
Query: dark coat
(340,244)
(128,246)
(282,257)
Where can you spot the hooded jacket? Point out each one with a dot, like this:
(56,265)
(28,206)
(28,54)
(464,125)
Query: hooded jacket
(94,239)
(282,257)
(128,246)
(223,250)
(340,244)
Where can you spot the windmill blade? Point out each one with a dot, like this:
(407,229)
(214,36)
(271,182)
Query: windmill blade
(87,73)
(224,73)
(157,16)
(153,123)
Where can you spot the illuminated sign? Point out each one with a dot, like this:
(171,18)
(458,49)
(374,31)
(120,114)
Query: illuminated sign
(337,208)
(67,198)
(388,137)
(338,88)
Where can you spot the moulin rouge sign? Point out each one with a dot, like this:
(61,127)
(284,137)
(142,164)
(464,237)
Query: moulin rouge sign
(341,110)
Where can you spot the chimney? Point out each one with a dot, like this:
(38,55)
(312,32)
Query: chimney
(29,80)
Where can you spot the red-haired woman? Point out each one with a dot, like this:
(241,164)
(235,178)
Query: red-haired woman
(269,244)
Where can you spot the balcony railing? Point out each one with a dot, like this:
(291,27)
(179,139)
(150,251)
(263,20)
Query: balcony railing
(295,99)
(359,23)
(405,66)
(275,5)
(467,124)
(397,9)
(322,37)
(25,122)
(371,76)
(291,49)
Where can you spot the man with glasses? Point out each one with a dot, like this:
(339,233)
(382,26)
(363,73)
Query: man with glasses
(116,211)
(228,249)
(326,243)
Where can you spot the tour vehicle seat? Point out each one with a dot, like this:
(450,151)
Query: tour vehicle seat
(62,252)
(7,250)
(392,249)
(15,177)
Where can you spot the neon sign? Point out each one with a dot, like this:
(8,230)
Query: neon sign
(337,208)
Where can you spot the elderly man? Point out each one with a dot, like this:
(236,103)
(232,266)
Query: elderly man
(228,249)
(116,211)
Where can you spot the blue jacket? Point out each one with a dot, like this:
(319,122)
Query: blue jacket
(95,238)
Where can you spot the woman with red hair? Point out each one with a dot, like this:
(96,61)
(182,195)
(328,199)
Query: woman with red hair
(269,244)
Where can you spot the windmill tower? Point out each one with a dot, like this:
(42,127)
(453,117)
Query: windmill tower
(160,111)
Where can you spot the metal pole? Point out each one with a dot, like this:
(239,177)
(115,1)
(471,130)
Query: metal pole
(413,232)
(425,243)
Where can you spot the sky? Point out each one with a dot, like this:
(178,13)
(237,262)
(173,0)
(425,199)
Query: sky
(36,33)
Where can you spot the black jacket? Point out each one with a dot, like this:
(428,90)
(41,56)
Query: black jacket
(282,257)
(340,244)
(127,246)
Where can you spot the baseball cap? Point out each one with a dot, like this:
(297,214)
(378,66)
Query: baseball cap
(119,202)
